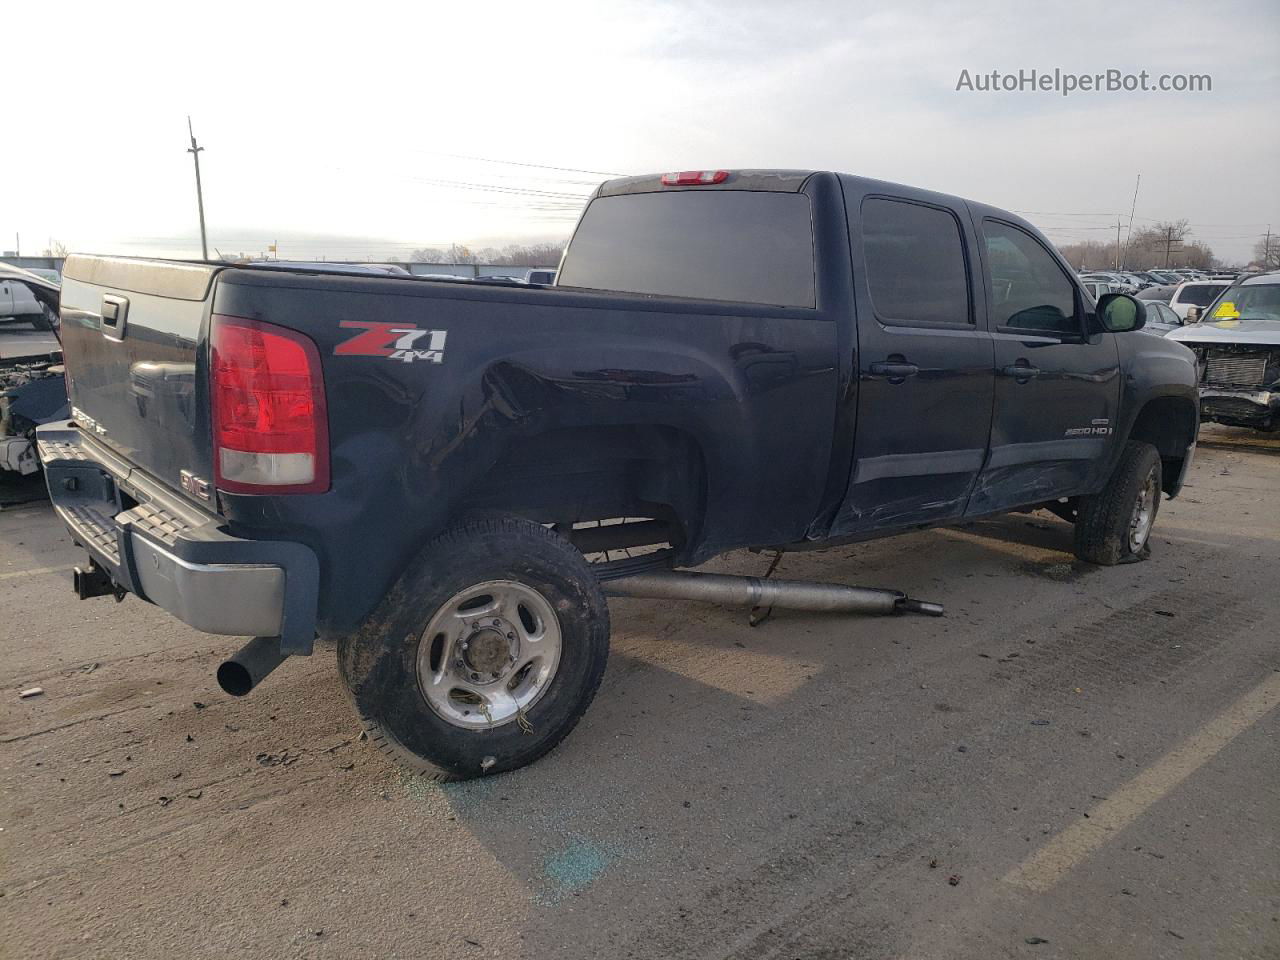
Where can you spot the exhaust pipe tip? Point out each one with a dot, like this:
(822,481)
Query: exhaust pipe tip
(250,665)
(234,678)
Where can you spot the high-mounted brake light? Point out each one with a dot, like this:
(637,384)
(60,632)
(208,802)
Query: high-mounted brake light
(270,428)
(694,178)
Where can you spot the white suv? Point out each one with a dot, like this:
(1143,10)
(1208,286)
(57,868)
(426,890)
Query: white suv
(1195,293)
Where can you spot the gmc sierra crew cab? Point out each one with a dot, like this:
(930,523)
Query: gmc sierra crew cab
(422,470)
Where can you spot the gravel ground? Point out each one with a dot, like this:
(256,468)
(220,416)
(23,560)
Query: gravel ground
(1074,762)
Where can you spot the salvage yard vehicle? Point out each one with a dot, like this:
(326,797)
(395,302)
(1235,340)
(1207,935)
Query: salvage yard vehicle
(1237,346)
(421,469)
(23,299)
(1195,295)
(31,384)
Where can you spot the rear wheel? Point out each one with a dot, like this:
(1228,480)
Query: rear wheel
(1114,526)
(484,655)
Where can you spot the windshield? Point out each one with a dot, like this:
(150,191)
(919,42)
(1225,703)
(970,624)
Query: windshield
(1255,302)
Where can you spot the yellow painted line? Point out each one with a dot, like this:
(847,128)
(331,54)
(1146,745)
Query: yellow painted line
(32,573)
(1051,862)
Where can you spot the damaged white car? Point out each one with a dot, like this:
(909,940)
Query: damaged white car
(32,389)
(1237,344)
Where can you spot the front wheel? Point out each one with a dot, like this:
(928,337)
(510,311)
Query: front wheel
(1114,526)
(484,655)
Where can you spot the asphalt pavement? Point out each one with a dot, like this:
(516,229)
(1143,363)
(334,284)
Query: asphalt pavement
(1073,762)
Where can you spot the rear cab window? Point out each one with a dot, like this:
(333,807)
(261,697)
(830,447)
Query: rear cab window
(735,245)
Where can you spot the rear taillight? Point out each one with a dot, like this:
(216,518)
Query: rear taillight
(694,178)
(270,430)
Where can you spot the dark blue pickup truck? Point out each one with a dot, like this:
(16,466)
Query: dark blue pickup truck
(422,469)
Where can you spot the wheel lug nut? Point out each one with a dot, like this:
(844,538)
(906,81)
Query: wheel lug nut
(511,636)
(497,623)
(475,676)
(464,644)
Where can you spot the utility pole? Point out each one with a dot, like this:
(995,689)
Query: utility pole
(194,150)
(1118,243)
(1129,233)
(1266,249)
(1168,244)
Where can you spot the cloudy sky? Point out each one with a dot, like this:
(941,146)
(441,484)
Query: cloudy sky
(347,130)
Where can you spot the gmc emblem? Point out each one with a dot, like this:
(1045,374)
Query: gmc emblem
(194,485)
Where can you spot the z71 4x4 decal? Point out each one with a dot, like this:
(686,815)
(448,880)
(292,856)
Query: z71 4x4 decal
(392,340)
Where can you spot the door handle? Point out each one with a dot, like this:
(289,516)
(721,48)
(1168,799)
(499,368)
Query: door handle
(1020,371)
(895,371)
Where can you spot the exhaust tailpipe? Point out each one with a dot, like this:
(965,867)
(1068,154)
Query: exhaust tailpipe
(244,671)
(758,592)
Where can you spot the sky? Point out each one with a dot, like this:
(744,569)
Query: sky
(348,131)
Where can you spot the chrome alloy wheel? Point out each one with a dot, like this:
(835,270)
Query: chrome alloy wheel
(489,654)
(1144,512)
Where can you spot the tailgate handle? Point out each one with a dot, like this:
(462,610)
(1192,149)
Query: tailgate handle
(115,310)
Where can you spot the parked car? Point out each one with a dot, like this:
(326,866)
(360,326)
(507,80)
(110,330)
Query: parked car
(1098,289)
(739,359)
(1119,283)
(32,390)
(1195,293)
(1160,317)
(1237,346)
(23,300)
(544,277)
(1162,294)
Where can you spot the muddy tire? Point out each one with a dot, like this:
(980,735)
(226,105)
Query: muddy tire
(1114,526)
(484,655)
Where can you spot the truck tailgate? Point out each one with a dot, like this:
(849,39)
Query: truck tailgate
(132,333)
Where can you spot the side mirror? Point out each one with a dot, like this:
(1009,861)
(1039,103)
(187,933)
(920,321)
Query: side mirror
(1120,313)
(1193,314)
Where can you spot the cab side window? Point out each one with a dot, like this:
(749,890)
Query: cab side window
(916,269)
(1029,291)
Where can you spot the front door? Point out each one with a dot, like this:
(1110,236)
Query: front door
(924,362)
(1057,382)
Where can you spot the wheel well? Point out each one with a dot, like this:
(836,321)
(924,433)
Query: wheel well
(1168,424)
(574,475)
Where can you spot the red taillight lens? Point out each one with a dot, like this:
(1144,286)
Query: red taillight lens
(270,430)
(694,178)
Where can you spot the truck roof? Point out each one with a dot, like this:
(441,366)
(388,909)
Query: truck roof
(776,181)
(793,181)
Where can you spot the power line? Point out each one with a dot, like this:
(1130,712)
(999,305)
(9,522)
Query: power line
(520,163)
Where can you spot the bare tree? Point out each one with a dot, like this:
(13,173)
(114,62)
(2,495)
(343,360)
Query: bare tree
(56,249)
(1267,252)
(459,254)
(512,255)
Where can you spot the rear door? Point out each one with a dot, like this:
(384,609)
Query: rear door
(131,335)
(1057,385)
(924,360)
(6,298)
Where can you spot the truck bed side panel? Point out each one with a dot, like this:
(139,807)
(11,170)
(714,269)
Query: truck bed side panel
(753,388)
